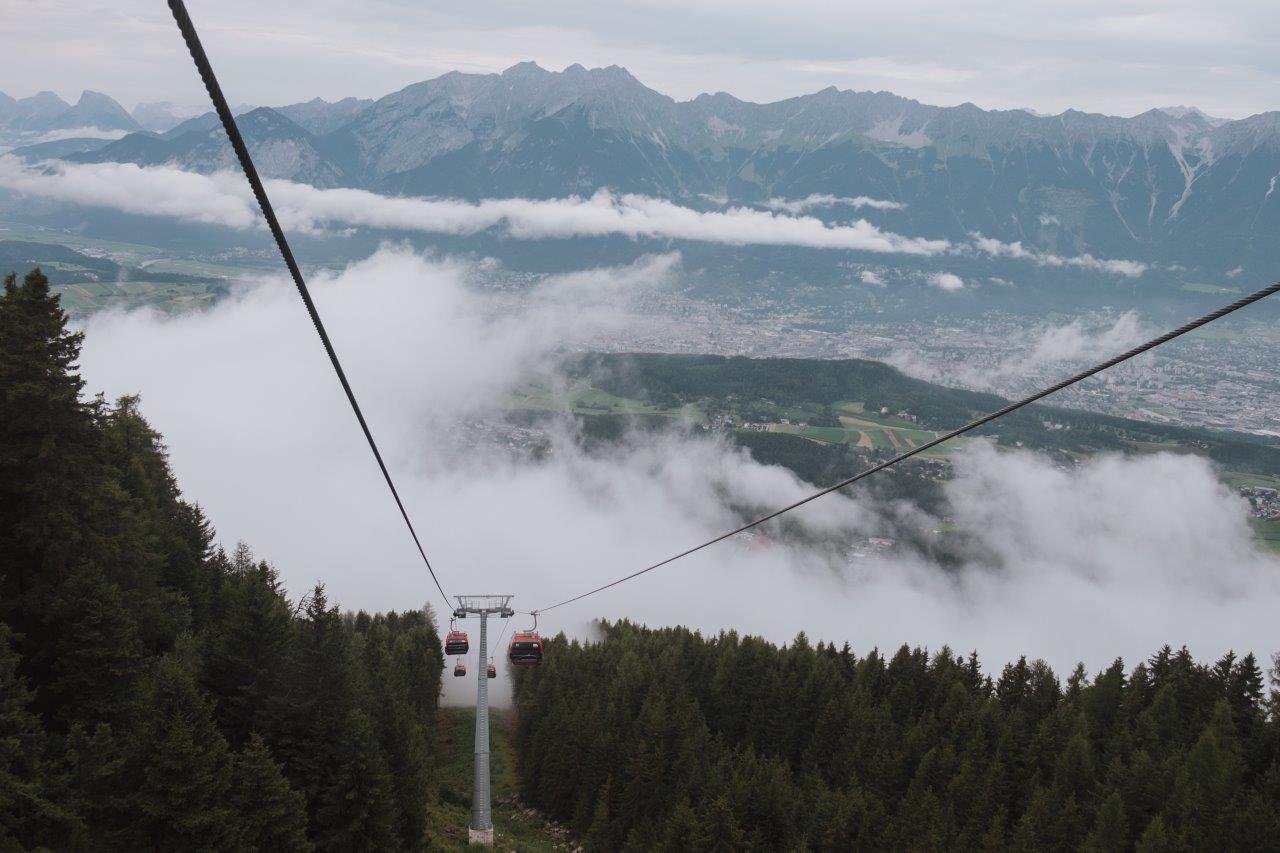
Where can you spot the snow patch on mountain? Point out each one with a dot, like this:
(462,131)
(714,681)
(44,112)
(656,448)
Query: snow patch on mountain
(890,130)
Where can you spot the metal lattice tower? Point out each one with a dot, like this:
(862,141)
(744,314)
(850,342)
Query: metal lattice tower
(481,829)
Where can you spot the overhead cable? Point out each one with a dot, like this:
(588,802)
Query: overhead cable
(205,69)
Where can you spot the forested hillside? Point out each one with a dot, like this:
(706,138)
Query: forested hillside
(740,384)
(665,739)
(157,693)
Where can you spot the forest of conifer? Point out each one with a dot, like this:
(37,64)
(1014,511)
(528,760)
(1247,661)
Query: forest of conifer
(669,740)
(157,693)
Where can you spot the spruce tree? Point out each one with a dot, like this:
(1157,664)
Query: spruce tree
(185,775)
(599,836)
(269,814)
(98,781)
(248,651)
(1208,782)
(1156,838)
(720,826)
(96,654)
(1111,828)
(28,817)
(357,809)
(682,830)
(50,458)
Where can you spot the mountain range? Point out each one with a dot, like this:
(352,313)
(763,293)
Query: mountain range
(1172,186)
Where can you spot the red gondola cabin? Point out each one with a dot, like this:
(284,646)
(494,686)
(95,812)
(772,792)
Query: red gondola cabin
(493,671)
(455,643)
(459,670)
(525,649)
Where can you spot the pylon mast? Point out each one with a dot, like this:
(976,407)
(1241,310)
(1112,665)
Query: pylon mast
(480,830)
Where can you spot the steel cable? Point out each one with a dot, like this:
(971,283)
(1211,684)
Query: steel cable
(205,68)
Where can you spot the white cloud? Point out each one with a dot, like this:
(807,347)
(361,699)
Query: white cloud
(602,214)
(871,278)
(1029,356)
(794,206)
(999,249)
(946,281)
(79,133)
(154,191)
(260,434)
(1073,342)
(224,199)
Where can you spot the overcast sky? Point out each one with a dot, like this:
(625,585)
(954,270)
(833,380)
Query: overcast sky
(1114,56)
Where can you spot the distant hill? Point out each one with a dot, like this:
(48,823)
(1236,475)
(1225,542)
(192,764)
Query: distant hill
(1171,185)
(814,387)
(88,283)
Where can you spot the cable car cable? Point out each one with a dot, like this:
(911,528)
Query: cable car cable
(205,69)
(1257,296)
(506,623)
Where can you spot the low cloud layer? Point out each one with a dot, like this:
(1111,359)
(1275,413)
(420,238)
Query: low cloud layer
(998,249)
(80,133)
(1117,557)
(821,200)
(152,191)
(1028,356)
(224,199)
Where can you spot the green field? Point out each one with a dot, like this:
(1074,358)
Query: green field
(172,298)
(827,435)
(1267,531)
(582,399)
(1237,479)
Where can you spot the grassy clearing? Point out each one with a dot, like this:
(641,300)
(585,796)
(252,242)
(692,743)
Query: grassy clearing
(582,399)
(171,297)
(1267,532)
(1238,479)
(827,435)
(516,827)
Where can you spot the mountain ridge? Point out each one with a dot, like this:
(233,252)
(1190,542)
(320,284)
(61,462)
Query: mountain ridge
(1171,185)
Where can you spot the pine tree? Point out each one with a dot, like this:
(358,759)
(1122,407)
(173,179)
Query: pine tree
(184,770)
(393,681)
(1111,829)
(1156,838)
(270,815)
(600,834)
(1074,774)
(96,653)
(49,458)
(307,718)
(248,651)
(356,810)
(1208,781)
(682,830)
(28,817)
(99,785)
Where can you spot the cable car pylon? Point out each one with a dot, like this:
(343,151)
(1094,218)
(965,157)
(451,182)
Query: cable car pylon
(480,830)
